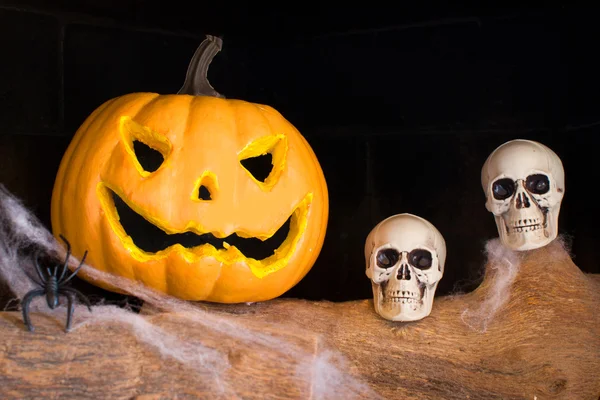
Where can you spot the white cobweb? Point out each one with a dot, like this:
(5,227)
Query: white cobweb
(323,370)
(504,263)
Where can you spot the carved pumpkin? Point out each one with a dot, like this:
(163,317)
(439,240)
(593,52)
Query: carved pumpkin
(168,190)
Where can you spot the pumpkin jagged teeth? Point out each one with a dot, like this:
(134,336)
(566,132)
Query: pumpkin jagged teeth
(151,239)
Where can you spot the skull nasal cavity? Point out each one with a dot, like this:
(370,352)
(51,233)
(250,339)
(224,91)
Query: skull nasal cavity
(523,201)
(404,273)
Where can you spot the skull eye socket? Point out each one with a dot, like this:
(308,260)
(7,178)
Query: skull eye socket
(387,258)
(537,184)
(421,259)
(503,188)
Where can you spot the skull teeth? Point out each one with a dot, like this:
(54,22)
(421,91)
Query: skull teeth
(403,297)
(525,222)
(404,300)
(526,225)
(403,294)
(527,228)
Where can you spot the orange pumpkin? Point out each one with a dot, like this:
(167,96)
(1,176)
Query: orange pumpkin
(165,190)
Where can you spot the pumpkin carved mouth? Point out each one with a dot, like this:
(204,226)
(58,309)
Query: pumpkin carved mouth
(146,240)
(151,239)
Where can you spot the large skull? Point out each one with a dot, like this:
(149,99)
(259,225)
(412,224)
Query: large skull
(524,185)
(405,257)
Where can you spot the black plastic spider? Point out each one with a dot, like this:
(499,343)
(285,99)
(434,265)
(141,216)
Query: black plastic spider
(52,286)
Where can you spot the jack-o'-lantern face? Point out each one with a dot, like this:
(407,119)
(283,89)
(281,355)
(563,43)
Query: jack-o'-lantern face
(196,196)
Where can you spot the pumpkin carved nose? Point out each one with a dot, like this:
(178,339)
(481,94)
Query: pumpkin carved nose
(204,193)
(206,187)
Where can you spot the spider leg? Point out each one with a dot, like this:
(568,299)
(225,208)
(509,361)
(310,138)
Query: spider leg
(70,308)
(76,270)
(69,290)
(65,265)
(25,305)
(38,269)
(63,272)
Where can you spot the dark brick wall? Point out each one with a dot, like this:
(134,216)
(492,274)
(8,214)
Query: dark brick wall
(401,119)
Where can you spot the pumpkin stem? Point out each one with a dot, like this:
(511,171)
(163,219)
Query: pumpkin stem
(196,80)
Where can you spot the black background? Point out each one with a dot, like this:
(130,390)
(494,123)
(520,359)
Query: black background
(402,105)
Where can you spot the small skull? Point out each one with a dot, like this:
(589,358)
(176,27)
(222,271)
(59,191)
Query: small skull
(405,257)
(524,185)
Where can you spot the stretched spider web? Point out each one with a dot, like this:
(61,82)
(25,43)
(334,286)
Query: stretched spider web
(323,370)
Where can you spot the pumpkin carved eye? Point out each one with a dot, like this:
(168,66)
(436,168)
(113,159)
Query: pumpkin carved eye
(148,149)
(149,159)
(264,159)
(260,167)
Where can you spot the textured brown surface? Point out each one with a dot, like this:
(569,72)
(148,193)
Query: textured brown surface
(544,344)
